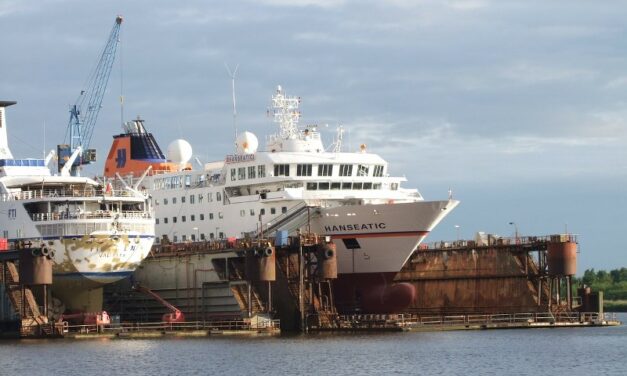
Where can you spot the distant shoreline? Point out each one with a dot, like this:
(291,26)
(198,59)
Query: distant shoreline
(615,305)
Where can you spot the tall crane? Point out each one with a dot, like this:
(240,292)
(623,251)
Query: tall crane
(84,112)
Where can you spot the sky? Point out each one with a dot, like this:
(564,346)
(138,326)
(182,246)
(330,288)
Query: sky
(519,107)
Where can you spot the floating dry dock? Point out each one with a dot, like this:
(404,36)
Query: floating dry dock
(240,288)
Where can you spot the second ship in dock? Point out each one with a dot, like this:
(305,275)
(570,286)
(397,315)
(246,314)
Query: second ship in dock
(296,183)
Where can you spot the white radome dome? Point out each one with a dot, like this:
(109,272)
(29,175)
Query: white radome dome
(179,151)
(247,143)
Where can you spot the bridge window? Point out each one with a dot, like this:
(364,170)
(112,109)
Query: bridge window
(241,173)
(281,170)
(261,171)
(303,170)
(232,174)
(346,170)
(378,171)
(325,170)
(251,172)
(362,170)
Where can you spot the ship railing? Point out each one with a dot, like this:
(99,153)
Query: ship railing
(519,319)
(64,193)
(99,214)
(223,325)
(500,241)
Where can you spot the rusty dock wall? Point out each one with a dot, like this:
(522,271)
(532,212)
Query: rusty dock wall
(498,275)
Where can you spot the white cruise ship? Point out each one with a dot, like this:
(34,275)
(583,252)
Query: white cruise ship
(296,182)
(94,235)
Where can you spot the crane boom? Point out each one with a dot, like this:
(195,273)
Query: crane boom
(84,112)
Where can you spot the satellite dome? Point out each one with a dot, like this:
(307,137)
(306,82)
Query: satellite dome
(247,143)
(179,151)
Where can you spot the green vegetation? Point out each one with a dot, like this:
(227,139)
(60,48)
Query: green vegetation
(612,283)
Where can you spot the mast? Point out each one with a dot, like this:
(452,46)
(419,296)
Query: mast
(286,114)
(232,75)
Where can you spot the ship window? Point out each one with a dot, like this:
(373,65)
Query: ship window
(232,174)
(262,211)
(261,171)
(378,171)
(202,236)
(156,221)
(303,170)
(209,196)
(284,209)
(241,173)
(210,216)
(323,186)
(165,201)
(251,172)
(173,219)
(347,185)
(394,186)
(325,170)
(165,220)
(192,217)
(367,185)
(252,211)
(211,235)
(242,213)
(184,237)
(192,199)
(362,170)
(183,218)
(175,239)
(346,170)
(221,235)
(281,170)
(218,196)
(376,186)
(202,217)
(312,186)
(351,243)
(272,210)
(156,202)
(182,199)
(200,198)
(173,200)
(188,180)
(356,185)
(220,215)
(335,186)
(193,236)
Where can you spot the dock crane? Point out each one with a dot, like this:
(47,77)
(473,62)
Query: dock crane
(84,112)
(175,314)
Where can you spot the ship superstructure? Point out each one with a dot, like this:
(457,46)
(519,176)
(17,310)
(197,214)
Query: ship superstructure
(296,183)
(94,234)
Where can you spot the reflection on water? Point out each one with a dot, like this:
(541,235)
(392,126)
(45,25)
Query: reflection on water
(581,351)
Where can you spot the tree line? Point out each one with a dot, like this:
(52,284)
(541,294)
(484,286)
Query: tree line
(612,283)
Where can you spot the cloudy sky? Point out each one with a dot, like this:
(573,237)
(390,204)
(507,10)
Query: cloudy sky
(519,107)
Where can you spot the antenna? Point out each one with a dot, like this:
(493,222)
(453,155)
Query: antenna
(232,75)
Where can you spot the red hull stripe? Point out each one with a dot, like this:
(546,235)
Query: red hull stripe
(380,234)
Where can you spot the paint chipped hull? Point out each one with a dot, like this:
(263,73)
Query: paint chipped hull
(101,258)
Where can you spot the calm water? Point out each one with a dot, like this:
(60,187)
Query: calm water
(585,351)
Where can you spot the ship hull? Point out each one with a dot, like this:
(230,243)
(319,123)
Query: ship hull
(83,264)
(379,238)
